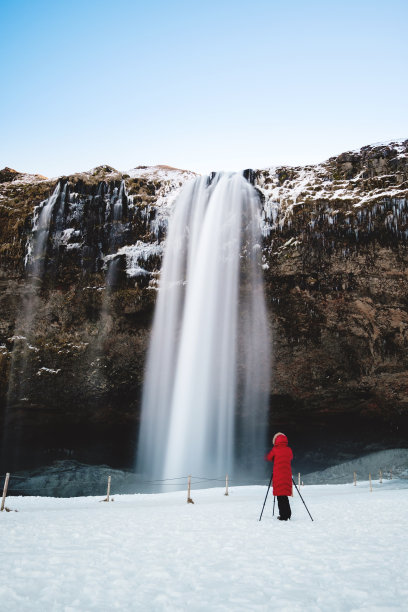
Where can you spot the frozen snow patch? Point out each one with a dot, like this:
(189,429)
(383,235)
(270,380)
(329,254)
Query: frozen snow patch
(44,370)
(68,234)
(137,253)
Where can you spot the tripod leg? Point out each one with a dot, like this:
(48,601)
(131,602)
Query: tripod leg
(269,486)
(302,499)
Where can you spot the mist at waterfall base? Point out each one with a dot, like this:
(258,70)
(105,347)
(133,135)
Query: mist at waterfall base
(205,400)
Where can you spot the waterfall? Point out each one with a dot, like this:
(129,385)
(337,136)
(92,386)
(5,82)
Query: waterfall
(114,220)
(117,202)
(204,407)
(116,234)
(24,348)
(35,264)
(37,246)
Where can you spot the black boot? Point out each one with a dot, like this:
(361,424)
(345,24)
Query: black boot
(284,508)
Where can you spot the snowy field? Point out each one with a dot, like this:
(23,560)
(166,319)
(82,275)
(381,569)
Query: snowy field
(156,552)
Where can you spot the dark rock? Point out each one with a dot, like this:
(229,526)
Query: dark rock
(335,259)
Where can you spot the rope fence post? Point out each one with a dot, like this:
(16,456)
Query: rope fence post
(108,490)
(226,486)
(189,500)
(371,487)
(380,476)
(298,479)
(3,501)
(355,478)
(390,474)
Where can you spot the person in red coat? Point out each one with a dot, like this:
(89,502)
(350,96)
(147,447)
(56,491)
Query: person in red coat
(281,455)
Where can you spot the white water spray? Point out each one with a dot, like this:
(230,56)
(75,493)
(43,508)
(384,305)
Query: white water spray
(38,243)
(207,376)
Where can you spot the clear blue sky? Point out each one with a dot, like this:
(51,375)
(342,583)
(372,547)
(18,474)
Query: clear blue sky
(199,85)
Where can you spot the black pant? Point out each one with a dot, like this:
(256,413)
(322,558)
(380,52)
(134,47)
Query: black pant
(284,507)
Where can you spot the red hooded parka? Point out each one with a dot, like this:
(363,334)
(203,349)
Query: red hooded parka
(281,455)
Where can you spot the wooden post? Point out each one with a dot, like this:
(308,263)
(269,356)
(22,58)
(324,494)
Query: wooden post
(371,488)
(380,477)
(298,479)
(3,501)
(108,491)
(355,478)
(391,474)
(226,486)
(189,500)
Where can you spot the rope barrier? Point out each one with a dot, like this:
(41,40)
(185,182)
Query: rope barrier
(26,482)
(163,481)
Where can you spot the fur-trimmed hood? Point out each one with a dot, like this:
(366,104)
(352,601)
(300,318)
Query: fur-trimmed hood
(280,439)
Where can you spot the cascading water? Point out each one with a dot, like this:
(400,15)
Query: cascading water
(207,378)
(38,243)
(114,214)
(115,211)
(20,368)
(35,263)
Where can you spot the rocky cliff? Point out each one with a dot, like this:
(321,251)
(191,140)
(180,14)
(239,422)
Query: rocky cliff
(76,315)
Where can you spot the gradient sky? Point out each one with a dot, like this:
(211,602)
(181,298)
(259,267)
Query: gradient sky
(199,85)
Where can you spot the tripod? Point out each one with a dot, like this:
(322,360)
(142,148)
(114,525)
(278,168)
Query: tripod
(266,497)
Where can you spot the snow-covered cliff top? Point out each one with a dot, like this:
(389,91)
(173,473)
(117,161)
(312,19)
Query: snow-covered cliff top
(348,181)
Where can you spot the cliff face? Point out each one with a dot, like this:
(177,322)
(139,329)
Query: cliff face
(337,278)
(74,336)
(73,343)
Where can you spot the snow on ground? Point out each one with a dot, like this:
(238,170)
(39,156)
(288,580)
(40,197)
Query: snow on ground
(156,552)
